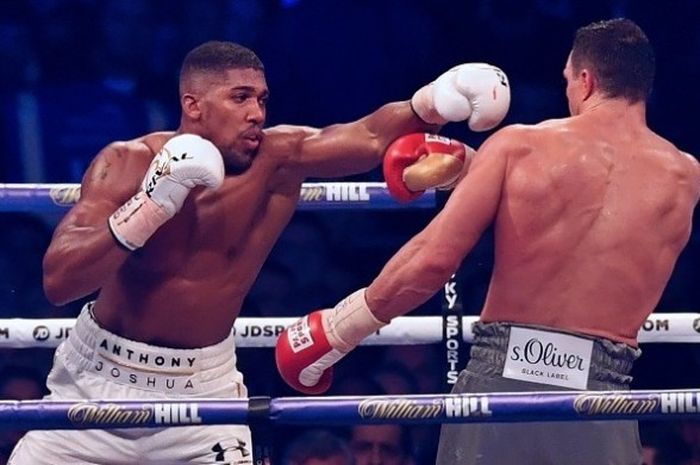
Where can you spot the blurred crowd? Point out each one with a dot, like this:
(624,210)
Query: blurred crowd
(78,74)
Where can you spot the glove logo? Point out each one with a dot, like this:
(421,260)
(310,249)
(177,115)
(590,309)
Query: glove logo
(68,195)
(161,167)
(501,77)
(299,335)
(437,138)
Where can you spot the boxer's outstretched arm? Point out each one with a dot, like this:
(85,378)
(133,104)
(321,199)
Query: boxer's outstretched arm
(351,148)
(83,252)
(422,266)
(308,349)
(476,92)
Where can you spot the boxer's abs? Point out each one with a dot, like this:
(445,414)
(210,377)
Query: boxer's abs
(187,317)
(186,288)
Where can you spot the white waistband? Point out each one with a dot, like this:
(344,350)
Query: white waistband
(145,366)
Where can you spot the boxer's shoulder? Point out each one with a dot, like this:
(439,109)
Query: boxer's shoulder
(152,142)
(692,171)
(144,147)
(691,158)
(661,151)
(284,144)
(694,164)
(286,137)
(512,140)
(549,125)
(121,164)
(552,135)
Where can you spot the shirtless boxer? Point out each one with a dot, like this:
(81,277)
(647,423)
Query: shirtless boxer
(590,213)
(172,228)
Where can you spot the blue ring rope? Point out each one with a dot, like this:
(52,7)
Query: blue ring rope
(51,198)
(350,410)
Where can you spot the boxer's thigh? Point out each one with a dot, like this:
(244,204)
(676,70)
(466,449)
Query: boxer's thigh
(536,443)
(73,447)
(199,445)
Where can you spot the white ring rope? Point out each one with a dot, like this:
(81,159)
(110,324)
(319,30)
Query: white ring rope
(408,330)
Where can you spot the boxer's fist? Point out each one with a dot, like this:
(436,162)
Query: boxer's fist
(307,350)
(415,162)
(478,92)
(304,356)
(185,161)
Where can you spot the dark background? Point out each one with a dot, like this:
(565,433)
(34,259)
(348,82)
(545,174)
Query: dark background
(77,74)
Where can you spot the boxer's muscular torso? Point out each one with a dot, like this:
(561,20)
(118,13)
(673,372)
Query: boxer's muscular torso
(185,287)
(595,210)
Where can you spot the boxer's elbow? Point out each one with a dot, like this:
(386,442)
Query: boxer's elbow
(56,281)
(436,265)
(60,290)
(54,293)
(54,289)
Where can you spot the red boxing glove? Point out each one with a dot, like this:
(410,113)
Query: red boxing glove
(300,348)
(307,350)
(415,162)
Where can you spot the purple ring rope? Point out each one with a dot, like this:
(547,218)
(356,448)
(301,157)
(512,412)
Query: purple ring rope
(415,409)
(492,407)
(51,198)
(101,414)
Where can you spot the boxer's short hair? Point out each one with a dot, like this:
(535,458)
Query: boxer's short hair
(218,57)
(620,55)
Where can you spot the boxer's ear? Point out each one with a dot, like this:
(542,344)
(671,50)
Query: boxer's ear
(190,106)
(589,83)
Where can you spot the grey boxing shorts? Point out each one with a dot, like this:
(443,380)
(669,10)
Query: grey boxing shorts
(510,358)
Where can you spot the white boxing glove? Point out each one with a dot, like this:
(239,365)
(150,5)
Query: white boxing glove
(185,161)
(476,91)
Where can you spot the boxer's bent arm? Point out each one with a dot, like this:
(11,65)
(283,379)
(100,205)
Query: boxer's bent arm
(422,266)
(83,253)
(357,147)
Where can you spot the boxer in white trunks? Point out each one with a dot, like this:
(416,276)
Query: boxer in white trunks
(172,229)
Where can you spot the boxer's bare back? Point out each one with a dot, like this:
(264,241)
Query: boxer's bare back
(590,213)
(565,260)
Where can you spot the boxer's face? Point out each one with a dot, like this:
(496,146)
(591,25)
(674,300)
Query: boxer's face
(232,111)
